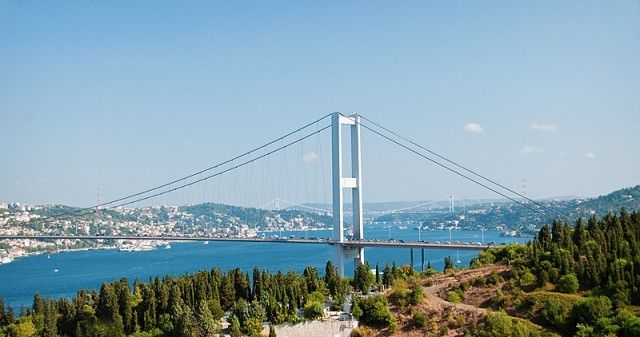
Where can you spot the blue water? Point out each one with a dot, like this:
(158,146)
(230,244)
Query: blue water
(24,277)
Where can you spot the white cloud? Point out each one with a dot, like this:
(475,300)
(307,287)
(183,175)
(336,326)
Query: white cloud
(474,128)
(590,155)
(530,149)
(544,127)
(310,157)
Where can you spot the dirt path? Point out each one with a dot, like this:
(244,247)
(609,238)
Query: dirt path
(444,282)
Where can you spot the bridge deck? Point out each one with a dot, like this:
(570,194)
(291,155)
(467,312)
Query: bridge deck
(350,244)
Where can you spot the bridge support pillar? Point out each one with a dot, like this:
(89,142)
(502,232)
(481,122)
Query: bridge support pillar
(422,262)
(339,183)
(411,258)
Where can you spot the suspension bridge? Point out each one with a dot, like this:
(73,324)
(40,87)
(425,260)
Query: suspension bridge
(345,248)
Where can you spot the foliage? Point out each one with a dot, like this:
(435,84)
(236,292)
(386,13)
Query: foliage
(313,310)
(362,331)
(419,320)
(375,311)
(454,296)
(187,305)
(363,279)
(568,284)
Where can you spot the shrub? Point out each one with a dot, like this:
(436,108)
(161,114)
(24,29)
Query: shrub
(555,313)
(528,281)
(313,310)
(479,282)
(591,309)
(362,331)
(375,312)
(419,320)
(454,296)
(568,284)
(417,295)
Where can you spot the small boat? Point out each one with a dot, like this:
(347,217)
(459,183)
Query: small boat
(56,270)
(168,246)
(206,242)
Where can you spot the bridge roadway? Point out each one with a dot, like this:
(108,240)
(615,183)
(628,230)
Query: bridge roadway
(349,244)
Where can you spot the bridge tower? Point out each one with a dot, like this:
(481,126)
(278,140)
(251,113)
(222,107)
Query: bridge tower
(354,183)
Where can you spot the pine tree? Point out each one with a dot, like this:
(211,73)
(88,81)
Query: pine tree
(108,309)
(207,326)
(331,279)
(234,327)
(272,331)
(448,263)
(50,320)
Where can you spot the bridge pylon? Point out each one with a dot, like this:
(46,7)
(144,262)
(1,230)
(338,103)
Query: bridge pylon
(353,182)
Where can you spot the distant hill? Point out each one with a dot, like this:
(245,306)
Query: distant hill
(628,198)
(514,216)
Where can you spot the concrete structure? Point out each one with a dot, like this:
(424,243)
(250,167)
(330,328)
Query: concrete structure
(354,183)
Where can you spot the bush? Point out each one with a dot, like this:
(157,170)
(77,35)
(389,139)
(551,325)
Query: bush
(591,309)
(568,284)
(528,281)
(356,311)
(479,282)
(419,320)
(362,331)
(454,296)
(399,293)
(417,295)
(375,312)
(555,313)
(313,310)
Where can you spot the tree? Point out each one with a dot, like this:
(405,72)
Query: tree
(375,311)
(50,320)
(272,331)
(313,310)
(311,278)
(498,325)
(253,327)
(331,279)
(591,309)
(24,328)
(386,275)
(363,278)
(555,313)
(108,309)
(207,326)
(448,264)
(568,284)
(234,327)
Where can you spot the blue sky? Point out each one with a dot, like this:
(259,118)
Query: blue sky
(124,95)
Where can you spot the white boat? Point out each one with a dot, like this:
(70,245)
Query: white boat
(56,270)
(168,246)
(206,242)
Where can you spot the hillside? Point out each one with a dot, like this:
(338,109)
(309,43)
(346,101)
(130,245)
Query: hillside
(579,280)
(513,216)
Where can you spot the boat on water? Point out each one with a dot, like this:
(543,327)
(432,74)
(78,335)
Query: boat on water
(168,246)
(56,270)
(6,260)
